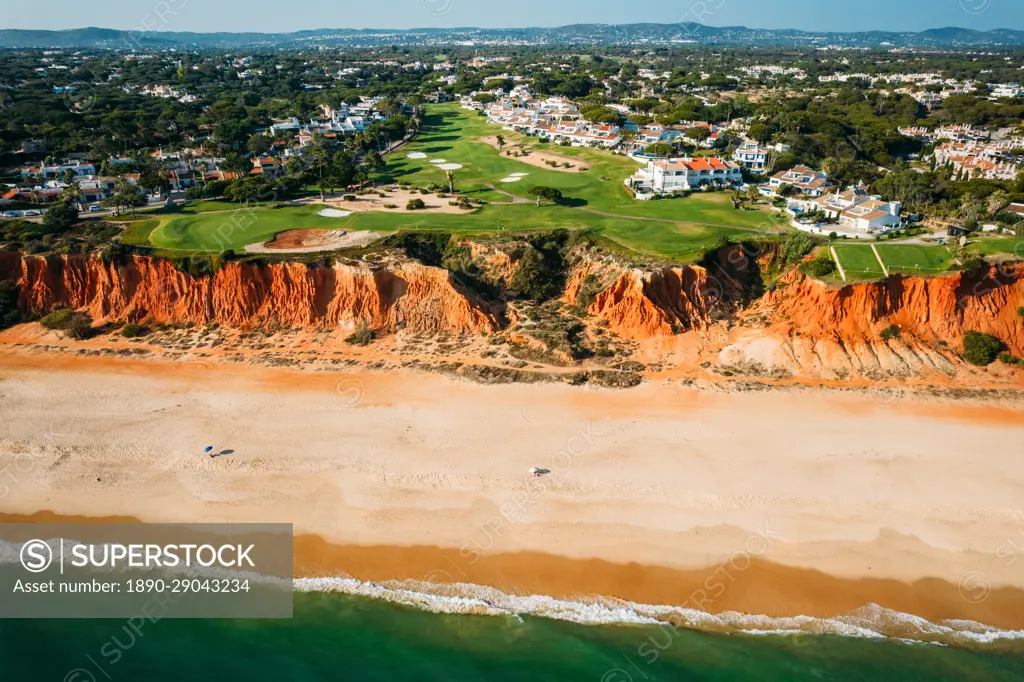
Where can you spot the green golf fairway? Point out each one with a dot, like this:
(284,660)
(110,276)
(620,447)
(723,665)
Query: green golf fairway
(595,199)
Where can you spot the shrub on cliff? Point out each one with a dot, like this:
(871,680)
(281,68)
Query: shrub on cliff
(980,349)
(795,247)
(9,312)
(57,319)
(79,327)
(1009,359)
(819,267)
(363,336)
(890,332)
(132,330)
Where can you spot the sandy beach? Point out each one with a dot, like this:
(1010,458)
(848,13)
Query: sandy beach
(774,503)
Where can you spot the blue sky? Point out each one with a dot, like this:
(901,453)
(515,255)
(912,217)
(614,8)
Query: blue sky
(275,15)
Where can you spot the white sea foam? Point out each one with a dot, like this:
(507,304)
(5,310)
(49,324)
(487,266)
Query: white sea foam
(871,621)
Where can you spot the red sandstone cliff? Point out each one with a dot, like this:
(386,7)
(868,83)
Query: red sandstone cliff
(805,325)
(136,288)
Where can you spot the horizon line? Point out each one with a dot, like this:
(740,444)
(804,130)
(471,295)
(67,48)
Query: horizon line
(506,28)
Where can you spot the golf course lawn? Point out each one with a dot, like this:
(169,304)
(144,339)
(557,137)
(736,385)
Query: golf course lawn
(991,246)
(858,261)
(915,258)
(596,199)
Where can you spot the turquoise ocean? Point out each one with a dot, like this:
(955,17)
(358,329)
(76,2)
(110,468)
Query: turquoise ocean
(338,636)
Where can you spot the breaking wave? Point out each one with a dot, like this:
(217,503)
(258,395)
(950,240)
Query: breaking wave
(870,621)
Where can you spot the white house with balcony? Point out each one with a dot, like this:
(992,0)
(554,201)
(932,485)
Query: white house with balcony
(664,176)
(757,157)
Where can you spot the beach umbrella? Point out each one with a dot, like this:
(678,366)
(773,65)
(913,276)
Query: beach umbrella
(209,448)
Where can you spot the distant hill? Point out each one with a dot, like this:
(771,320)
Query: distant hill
(576,34)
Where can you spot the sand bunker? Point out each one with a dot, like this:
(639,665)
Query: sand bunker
(334,213)
(312,240)
(511,179)
(416,155)
(518,175)
(449,166)
(438,161)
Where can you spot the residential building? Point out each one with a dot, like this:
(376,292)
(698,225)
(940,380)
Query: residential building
(1011,90)
(803,179)
(755,157)
(856,209)
(664,176)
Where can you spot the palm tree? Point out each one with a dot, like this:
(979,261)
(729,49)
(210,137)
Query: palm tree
(501,141)
(73,195)
(450,176)
(997,201)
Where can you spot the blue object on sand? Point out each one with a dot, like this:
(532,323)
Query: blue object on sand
(208,448)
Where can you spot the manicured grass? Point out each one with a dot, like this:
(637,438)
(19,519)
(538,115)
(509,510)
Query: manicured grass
(917,259)
(991,246)
(595,199)
(138,232)
(858,261)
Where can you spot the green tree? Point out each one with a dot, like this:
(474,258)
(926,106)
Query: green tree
(660,149)
(698,133)
(260,144)
(60,217)
(552,194)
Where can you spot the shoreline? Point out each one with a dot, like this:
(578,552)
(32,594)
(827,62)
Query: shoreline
(735,590)
(766,503)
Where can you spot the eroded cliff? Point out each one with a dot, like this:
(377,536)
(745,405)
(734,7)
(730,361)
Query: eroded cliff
(406,295)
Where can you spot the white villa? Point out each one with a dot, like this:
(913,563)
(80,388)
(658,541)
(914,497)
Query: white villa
(663,176)
(856,210)
(756,157)
(803,179)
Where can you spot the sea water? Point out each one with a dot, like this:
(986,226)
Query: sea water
(341,636)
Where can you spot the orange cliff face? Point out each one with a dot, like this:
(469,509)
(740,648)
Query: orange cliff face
(136,288)
(643,305)
(805,325)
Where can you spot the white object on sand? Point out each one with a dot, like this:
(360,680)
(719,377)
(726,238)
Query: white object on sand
(416,155)
(449,166)
(510,179)
(334,213)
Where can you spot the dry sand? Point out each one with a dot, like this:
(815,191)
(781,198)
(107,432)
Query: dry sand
(797,504)
(313,240)
(392,196)
(538,158)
